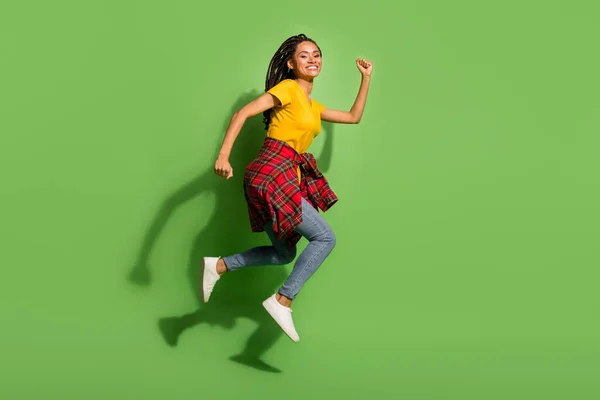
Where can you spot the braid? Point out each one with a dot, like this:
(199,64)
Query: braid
(278,69)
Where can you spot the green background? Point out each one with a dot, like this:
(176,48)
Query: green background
(468,223)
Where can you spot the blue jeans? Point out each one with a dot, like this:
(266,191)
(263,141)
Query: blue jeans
(321,241)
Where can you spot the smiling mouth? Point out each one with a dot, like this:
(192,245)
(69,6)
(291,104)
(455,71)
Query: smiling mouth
(312,68)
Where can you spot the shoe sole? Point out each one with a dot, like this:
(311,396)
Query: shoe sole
(268,307)
(201,283)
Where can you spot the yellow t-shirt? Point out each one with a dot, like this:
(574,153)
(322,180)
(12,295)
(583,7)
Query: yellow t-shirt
(296,121)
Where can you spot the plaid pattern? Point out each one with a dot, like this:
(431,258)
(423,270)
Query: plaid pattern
(273,193)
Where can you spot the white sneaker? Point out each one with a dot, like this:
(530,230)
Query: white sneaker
(282,315)
(209,276)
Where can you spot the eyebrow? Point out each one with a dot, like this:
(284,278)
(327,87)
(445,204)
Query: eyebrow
(306,51)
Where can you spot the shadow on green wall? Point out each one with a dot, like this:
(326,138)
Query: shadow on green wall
(239,294)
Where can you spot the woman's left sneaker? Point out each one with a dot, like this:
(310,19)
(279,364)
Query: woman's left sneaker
(282,315)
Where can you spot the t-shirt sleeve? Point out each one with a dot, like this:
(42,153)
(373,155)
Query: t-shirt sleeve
(320,107)
(283,92)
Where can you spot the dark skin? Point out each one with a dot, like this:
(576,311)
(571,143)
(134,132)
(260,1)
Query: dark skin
(306,64)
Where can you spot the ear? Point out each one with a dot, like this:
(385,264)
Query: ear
(289,64)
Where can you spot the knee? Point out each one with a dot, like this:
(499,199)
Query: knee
(329,238)
(287,255)
(332,239)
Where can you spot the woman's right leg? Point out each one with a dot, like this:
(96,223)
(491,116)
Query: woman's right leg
(278,253)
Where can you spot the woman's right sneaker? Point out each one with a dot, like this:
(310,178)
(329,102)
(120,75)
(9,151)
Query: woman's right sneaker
(282,315)
(209,276)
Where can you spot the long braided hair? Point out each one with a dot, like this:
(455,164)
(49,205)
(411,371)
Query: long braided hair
(278,69)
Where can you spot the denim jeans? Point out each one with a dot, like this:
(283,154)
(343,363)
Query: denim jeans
(321,241)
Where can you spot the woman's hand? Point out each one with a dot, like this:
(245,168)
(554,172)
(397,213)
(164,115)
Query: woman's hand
(223,168)
(364,66)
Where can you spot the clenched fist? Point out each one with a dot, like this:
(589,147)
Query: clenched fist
(223,168)
(364,66)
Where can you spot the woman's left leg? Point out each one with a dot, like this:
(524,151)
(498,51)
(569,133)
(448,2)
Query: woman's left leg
(321,242)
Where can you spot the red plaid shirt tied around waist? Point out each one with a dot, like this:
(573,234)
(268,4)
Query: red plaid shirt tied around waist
(274,194)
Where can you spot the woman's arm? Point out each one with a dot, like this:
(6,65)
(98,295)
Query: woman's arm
(355,114)
(259,105)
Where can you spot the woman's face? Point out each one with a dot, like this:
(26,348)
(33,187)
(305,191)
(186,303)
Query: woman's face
(306,61)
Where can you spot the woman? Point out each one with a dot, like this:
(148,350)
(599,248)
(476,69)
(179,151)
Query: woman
(283,187)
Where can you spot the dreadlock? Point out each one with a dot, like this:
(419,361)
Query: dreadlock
(278,69)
